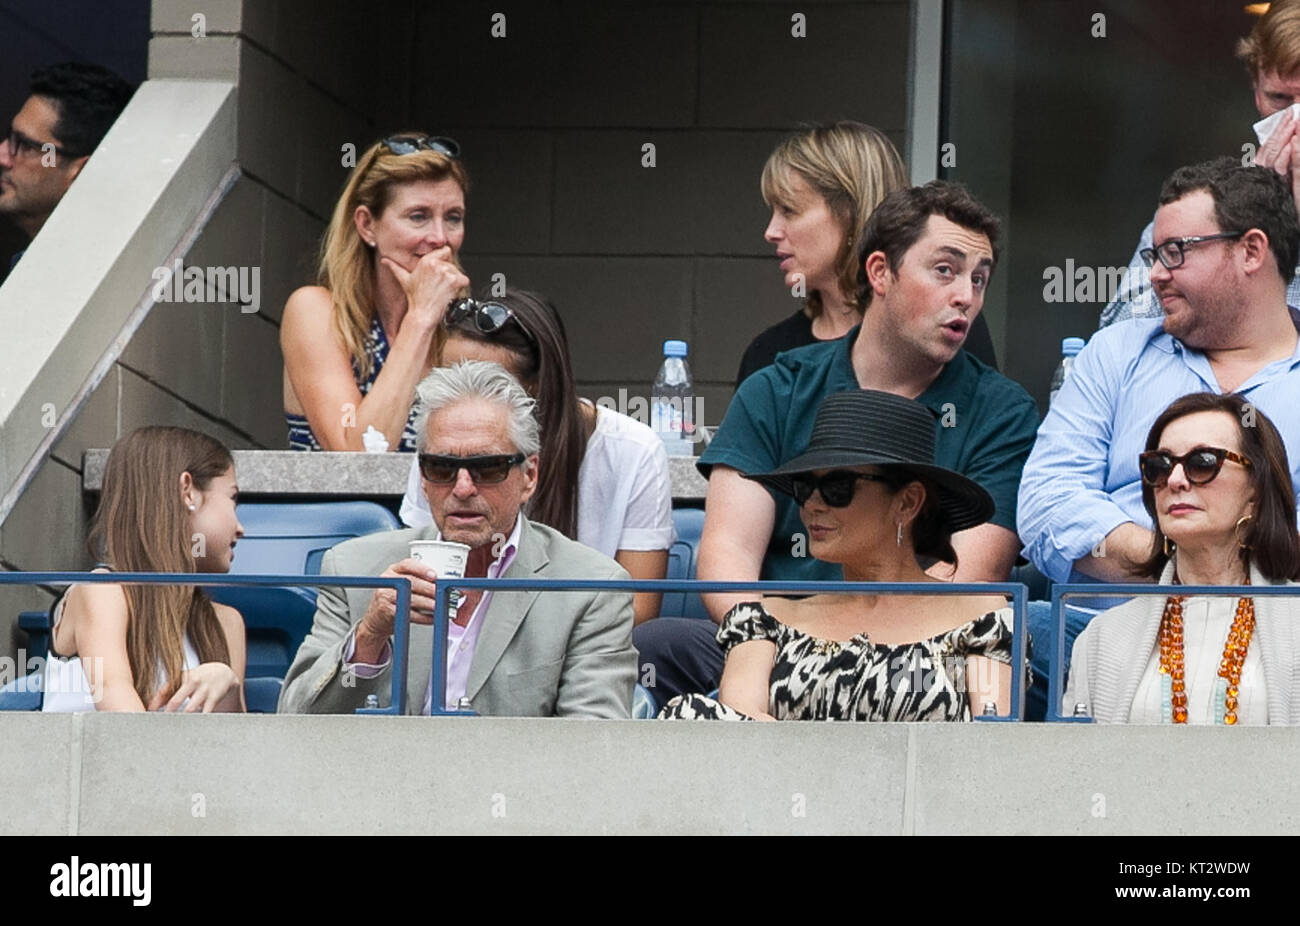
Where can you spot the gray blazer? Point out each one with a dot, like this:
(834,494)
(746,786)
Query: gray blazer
(1111,654)
(560,653)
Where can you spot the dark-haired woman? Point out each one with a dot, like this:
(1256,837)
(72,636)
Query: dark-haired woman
(1216,481)
(873,501)
(168,505)
(604,477)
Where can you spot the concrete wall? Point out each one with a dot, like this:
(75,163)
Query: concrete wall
(104,774)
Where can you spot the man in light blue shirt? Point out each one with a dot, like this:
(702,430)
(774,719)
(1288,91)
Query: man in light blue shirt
(1223,234)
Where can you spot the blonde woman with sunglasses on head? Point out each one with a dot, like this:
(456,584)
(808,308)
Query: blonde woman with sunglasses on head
(356,345)
(1216,481)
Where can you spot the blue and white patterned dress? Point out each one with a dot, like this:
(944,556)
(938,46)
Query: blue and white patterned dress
(300,432)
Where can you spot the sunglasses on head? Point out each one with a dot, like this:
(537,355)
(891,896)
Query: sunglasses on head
(836,488)
(409,144)
(1200,465)
(489,317)
(485,469)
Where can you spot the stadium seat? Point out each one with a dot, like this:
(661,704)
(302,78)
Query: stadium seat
(687,522)
(36,624)
(287,538)
(22,694)
(261,695)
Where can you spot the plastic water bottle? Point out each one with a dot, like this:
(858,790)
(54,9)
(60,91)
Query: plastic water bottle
(672,403)
(1070,347)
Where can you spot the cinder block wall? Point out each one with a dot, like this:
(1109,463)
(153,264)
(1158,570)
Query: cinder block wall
(553,119)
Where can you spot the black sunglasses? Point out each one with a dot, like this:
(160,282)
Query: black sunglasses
(489,317)
(409,144)
(1200,465)
(836,488)
(486,469)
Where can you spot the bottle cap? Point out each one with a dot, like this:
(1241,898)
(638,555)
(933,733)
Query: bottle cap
(1071,346)
(674,348)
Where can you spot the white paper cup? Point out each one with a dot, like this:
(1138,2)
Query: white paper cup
(445,557)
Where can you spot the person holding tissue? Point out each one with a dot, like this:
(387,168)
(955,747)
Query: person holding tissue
(509,653)
(1271,54)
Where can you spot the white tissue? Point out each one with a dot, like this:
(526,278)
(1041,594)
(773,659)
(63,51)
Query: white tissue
(1265,127)
(374,440)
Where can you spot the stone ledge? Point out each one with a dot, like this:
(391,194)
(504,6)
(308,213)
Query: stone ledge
(293,473)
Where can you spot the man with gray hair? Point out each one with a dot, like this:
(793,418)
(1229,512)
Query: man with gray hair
(512,653)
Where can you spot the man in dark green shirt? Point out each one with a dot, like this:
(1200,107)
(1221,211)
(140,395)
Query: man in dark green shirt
(924,264)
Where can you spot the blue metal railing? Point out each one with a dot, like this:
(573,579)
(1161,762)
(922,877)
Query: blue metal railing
(401,586)
(401,637)
(1057,654)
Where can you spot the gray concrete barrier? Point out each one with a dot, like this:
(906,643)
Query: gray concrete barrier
(145,774)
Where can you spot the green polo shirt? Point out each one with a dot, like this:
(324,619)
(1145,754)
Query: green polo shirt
(985,427)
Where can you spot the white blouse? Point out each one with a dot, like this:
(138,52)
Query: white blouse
(1206,622)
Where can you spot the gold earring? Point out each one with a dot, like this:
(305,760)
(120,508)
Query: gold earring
(1236,531)
(1169,547)
(898,538)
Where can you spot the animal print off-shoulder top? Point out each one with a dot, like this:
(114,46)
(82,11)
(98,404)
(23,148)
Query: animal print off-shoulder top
(815,679)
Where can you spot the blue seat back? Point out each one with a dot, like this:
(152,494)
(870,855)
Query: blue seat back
(23,694)
(261,695)
(286,538)
(682,555)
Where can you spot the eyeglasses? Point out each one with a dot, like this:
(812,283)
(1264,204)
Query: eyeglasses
(1200,465)
(1171,252)
(19,145)
(409,144)
(836,488)
(489,317)
(485,470)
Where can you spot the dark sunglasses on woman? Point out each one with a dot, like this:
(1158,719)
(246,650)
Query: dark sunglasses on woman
(485,469)
(409,144)
(836,488)
(1200,465)
(489,317)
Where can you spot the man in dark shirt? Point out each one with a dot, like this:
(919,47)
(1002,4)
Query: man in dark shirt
(50,139)
(925,262)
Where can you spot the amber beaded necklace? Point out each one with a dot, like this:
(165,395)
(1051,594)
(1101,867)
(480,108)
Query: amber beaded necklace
(1173,681)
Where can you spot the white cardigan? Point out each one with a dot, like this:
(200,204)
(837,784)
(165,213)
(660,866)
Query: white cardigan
(1112,653)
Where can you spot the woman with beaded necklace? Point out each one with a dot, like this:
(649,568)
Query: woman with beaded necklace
(1217,484)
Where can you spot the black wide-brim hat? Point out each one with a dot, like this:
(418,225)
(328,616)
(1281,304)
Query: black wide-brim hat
(882,429)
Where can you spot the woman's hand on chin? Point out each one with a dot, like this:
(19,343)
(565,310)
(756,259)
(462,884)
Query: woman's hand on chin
(431,286)
(206,686)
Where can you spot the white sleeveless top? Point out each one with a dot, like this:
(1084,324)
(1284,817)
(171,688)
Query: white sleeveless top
(64,682)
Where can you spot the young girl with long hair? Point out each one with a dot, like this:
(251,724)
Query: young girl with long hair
(167,505)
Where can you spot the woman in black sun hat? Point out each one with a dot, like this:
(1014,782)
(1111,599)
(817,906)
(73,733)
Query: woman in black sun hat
(873,501)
